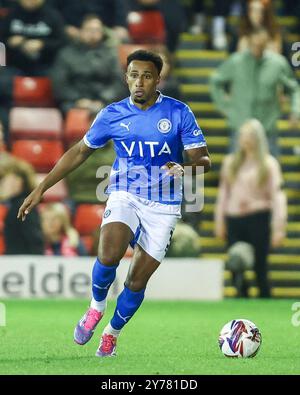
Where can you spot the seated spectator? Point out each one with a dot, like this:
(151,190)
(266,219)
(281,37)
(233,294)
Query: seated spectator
(169,84)
(86,74)
(32,32)
(6,97)
(60,237)
(17,180)
(2,141)
(251,206)
(112,13)
(260,14)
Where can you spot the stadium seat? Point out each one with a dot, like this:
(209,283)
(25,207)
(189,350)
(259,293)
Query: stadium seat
(3,212)
(76,125)
(35,123)
(125,49)
(57,193)
(32,91)
(2,245)
(42,154)
(88,242)
(88,217)
(3,12)
(147,27)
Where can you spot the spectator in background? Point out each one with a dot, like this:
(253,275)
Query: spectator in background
(248,85)
(169,85)
(86,74)
(251,206)
(2,141)
(32,32)
(17,179)
(219,12)
(60,237)
(6,98)
(260,14)
(112,13)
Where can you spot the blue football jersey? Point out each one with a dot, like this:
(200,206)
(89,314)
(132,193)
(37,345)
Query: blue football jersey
(145,140)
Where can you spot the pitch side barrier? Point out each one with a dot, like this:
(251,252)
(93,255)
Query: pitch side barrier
(69,278)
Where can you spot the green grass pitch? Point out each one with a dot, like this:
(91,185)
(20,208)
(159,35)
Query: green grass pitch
(162,338)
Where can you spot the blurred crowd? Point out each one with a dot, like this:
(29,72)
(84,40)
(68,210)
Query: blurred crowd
(81,48)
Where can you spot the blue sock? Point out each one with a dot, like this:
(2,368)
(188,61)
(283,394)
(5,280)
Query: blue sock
(102,278)
(127,304)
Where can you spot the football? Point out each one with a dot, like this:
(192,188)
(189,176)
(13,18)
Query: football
(240,338)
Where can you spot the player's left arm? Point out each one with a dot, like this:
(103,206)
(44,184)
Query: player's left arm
(198,158)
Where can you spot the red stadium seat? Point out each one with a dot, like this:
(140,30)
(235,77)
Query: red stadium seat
(32,91)
(3,212)
(2,245)
(76,125)
(57,193)
(147,27)
(42,154)
(3,12)
(88,242)
(35,123)
(88,217)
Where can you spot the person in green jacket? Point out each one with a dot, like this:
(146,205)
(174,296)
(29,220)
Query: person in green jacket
(248,85)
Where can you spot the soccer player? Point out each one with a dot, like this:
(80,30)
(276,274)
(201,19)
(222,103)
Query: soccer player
(150,132)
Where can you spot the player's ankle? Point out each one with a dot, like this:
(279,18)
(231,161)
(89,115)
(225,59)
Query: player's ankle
(109,330)
(99,306)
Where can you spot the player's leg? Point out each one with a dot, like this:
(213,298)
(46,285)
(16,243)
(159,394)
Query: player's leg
(113,243)
(141,269)
(157,225)
(119,225)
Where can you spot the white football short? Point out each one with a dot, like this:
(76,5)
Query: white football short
(151,222)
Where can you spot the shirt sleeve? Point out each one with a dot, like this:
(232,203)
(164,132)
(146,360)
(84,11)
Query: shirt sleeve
(99,132)
(191,134)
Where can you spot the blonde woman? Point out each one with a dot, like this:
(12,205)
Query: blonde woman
(251,205)
(17,179)
(60,237)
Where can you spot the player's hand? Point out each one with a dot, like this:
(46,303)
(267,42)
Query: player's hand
(173,169)
(29,203)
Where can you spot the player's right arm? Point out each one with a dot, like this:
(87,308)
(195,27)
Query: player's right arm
(71,159)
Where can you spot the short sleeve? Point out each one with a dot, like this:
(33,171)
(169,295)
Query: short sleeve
(99,132)
(191,134)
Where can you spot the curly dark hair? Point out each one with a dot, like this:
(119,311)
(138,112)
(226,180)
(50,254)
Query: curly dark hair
(146,56)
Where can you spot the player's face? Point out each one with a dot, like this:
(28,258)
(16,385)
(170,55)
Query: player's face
(142,79)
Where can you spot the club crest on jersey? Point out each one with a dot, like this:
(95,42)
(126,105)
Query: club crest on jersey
(164,125)
(107,213)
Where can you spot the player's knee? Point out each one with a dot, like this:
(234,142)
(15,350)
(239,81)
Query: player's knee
(135,285)
(109,258)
